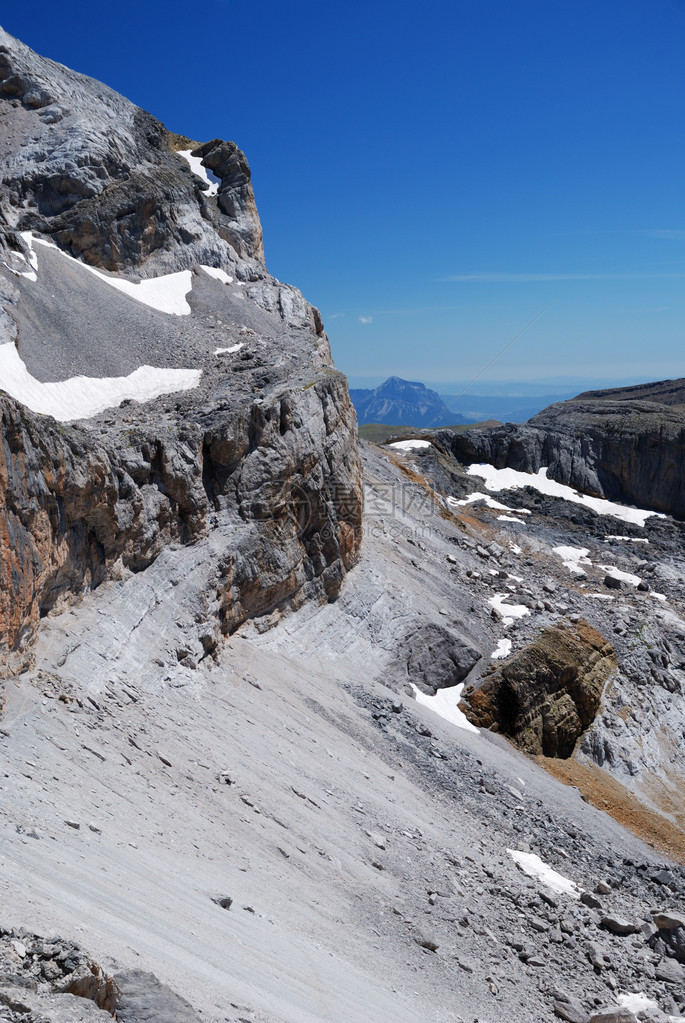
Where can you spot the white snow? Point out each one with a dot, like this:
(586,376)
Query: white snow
(515,549)
(81,397)
(627,539)
(489,501)
(508,611)
(625,577)
(573,558)
(410,445)
(637,1002)
(218,273)
(512,518)
(228,351)
(202,172)
(445,703)
(531,864)
(657,596)
(503,649)
(601,596)
(31,274)
(167,293)
(511,479)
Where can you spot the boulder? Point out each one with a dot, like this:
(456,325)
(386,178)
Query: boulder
(544,697)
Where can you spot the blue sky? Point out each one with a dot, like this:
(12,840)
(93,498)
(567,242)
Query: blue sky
(433,175)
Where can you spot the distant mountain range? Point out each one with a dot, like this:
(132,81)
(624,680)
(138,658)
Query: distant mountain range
(399,402)
(403,403)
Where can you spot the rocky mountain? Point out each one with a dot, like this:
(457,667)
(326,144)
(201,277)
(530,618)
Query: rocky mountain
(272,753)
(402,403)
(626,445)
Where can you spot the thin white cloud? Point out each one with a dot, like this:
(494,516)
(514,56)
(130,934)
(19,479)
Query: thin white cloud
(515,278)
(669,234)
(366,319)
(334,316)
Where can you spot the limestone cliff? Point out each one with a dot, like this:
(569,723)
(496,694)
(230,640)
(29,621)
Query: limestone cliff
(259,445)
(625,445)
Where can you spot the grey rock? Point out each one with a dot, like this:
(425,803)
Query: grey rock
(618,925)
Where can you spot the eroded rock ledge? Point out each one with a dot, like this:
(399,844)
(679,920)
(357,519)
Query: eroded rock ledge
(546,695)
(74,510)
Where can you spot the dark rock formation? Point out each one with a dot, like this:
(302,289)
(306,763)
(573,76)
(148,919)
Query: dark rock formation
(624,449)
(544,697)
(403,403)
(435,657)
(432,656)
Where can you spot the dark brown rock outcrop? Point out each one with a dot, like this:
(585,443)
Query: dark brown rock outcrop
(544,697)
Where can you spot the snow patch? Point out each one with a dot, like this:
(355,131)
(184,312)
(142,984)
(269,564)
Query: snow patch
(512,479)
(573,558)
(489,501)
(32,274)
(228,351)
(637,1002)
(81,397)
(625,577)
(601,596)
(509,612)
(410,445)
(626,539)
(202,172)
(503,649)
(658,596)
(218,273)
(532,865)
(167,294)
(445,704)
(511,518)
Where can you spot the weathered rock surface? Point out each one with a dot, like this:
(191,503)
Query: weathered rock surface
(263,448)
(627,448)
(546,695)
(433,657)
(87,167)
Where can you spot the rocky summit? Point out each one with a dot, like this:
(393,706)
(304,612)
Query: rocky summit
(298,729)
(403,402)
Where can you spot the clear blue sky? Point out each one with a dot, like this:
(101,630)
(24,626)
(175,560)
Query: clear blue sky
(432,175)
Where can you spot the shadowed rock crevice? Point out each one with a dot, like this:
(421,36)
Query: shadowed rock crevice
(545,696)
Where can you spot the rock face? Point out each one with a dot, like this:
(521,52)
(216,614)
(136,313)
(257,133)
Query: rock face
(403,403)
(263,449)
(435,657)
(545,696)
(618,445)
(100,176)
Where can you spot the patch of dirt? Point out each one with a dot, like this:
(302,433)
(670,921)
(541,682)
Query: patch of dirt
(607,794)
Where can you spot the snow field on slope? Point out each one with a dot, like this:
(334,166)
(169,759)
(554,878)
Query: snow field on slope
(531,864)
(82,397)
(512,479)
(166,294)
(509,612)
(573,557)
(487,500)
(445,703)
(410,445)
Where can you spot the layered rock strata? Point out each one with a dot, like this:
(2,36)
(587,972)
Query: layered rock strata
(546,695)
(629,449)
